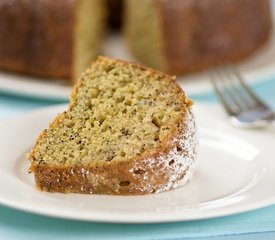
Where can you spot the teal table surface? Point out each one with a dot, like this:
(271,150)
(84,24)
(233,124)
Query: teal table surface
(16,224)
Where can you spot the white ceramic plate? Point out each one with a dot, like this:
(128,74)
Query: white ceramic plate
(20,85)
(235,173)
(259,67)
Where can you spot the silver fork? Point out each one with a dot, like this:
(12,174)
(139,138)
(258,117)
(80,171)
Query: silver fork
(245,109)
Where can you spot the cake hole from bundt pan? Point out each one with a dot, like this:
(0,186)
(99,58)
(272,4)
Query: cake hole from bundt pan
(156,138)
(122,154)
(171,162)
(139,171)
(128,102)
(124,183)
(179,149)
(156,122)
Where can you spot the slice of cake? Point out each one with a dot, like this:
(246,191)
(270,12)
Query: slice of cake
(128,130)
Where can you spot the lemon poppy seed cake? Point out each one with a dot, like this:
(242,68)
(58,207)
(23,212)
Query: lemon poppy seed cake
(128,130)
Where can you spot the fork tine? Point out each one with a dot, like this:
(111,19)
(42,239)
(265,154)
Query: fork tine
(244,99)
(240,102)
(219,91)
(246,88)
(233,90)
(228,81)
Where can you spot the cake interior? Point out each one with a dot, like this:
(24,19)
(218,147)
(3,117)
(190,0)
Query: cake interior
(89,16)
(119,112)
(144,32)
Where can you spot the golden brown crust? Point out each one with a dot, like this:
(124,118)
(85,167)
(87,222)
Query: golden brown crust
(200,34)
(169,166)
(149,174)
(36,37)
